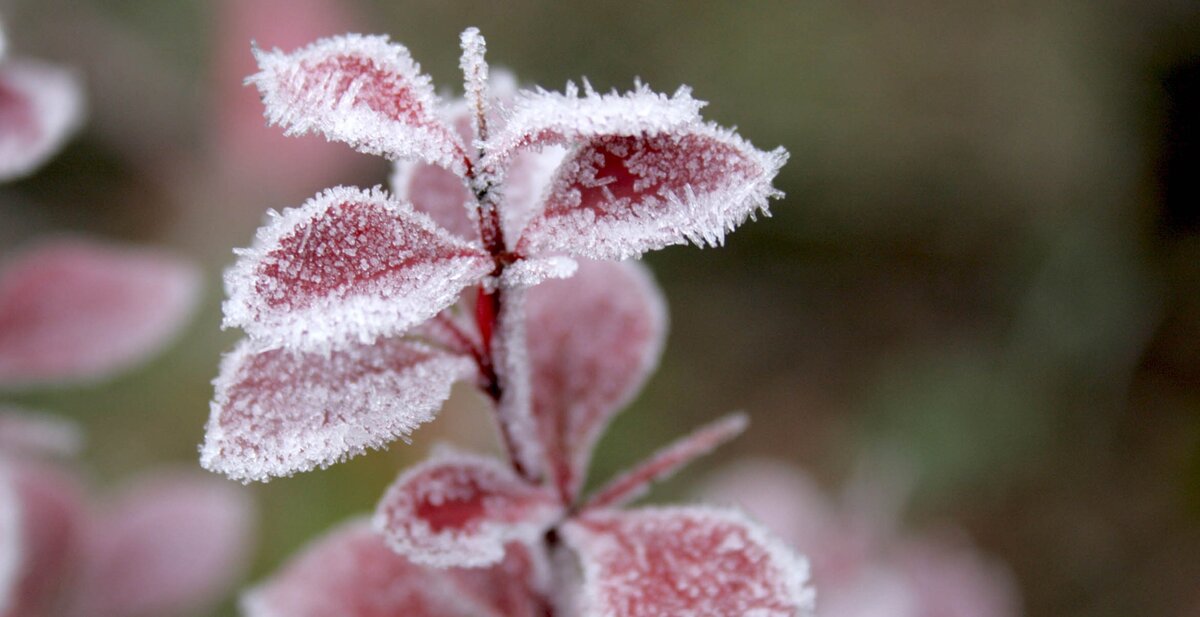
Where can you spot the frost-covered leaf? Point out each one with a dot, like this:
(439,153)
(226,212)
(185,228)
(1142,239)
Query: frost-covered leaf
(77,310)
(593,340)
(351,573)
(525,185)
(40,106)
(25,433)
(459,510)
(619,196)
(539,118)
(533,270)
(438,193)
(170,544)
(515,587)
(635,482)
(277,411)
(349,265)
(685,561)
(50,514)
(363,90)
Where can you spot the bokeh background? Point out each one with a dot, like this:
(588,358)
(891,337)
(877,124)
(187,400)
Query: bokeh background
(987,264)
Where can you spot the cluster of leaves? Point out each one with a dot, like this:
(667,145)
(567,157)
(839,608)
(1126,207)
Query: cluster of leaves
(76,310)
(492,261)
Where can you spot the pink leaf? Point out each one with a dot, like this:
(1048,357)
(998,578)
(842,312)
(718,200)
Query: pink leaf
(461,510)
(170,544)
(50,516)
(277,412)
(349,265)
(525,185)
(663,464)
(26,434)
(540,118)
(78,310)
(362,90)
(515,587)
(438,193)
(352,573)
(620,196)
(40,106)
(596,336)
(949,578)
(685,561)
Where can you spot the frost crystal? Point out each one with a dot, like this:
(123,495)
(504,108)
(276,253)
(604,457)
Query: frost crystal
(685,562)
(461,510)
(350,265)
(277,411)
(362,90)
(78,310)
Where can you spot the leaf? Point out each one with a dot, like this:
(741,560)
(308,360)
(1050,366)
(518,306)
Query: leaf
(50,515)
(277,412)
(664,463)
(363,90)
(75,310)
(459,510)
(170,544)
(685,561)
(619,196)
(515,587)
(438,193)
(349,265)
(40,106)
(351,573)
(540,118)
(595,338)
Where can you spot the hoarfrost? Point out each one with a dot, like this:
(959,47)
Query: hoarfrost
(663,464)
(533,270)
(349,265)
(72,309)
(685,562)
(619,196)
(351,573)
(539,118)
(595,338)
(40,106)
(363,90)
(276,412)
(460,510)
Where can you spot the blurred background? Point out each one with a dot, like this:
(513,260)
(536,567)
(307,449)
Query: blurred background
(987,264)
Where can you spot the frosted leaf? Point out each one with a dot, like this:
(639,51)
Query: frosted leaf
(512,587)
(351,573)
(72,309)
(170,544)
(540,118)
(363,90)
(349,265)
(616,197)
(277,412)
(664,463)
(685,562)
(51,515)
(438,193)
(459,510)
(40,106)
(533,270)
(26,433)
(595,338)
(525,186)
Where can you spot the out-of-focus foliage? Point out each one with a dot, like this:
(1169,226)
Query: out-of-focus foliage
(986,262)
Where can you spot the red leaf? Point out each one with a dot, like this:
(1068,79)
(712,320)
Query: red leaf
(169,545)
(277,412)
(362,90)
(78,310)
(40,106)
(619,196)
(461,510)
(350,265)
(352,573)
(50,516)
(664,463)
(518,586)
(685,561)
(594,339)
